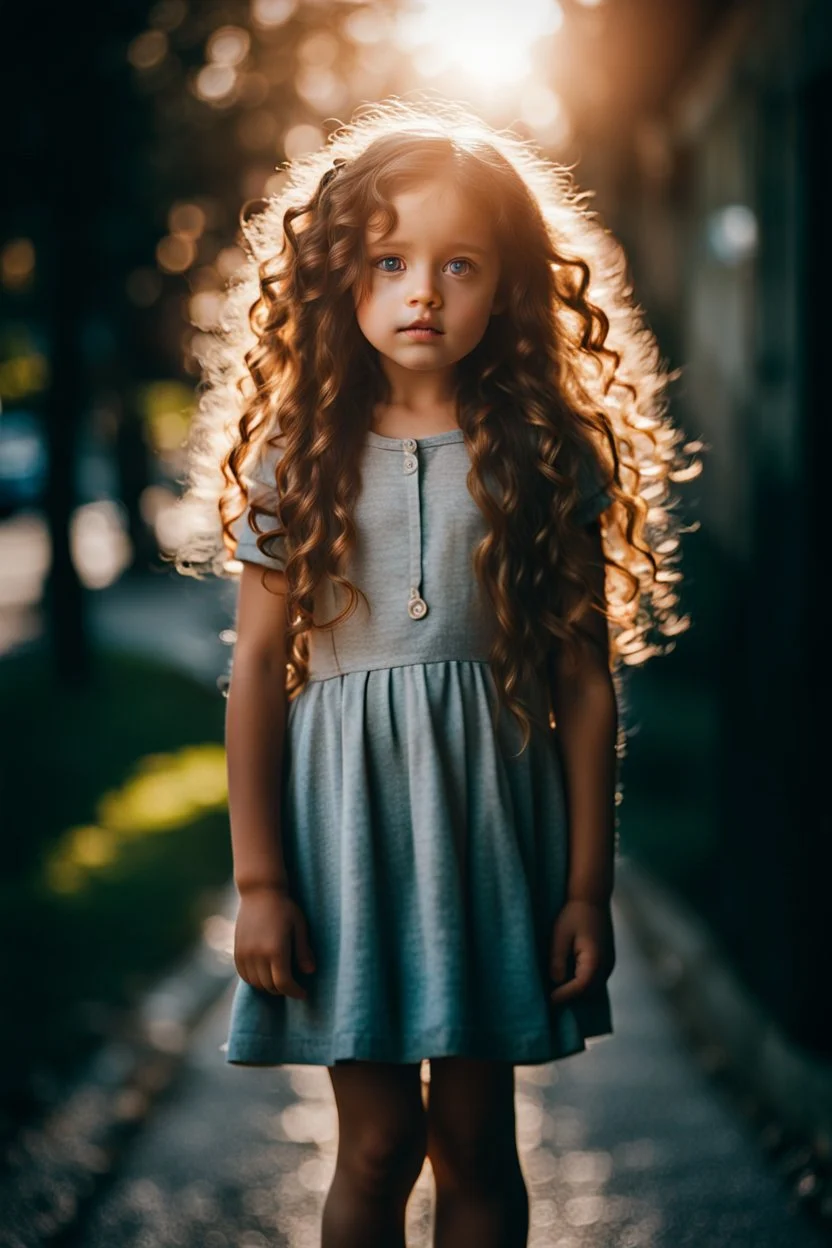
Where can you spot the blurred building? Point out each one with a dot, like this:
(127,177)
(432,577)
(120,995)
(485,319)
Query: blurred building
(722,182)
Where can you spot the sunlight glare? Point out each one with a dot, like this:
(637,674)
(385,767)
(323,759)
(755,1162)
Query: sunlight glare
(491,46)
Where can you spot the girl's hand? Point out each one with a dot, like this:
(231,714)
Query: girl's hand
(270,925)
(583,931)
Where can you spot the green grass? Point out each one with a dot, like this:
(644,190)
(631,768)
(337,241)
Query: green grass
(115,842)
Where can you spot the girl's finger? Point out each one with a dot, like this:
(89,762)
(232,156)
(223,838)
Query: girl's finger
(587,963)
(285,982)
(262,970)
(247,970)
(303,950)
(560,951)
(564,993)
(586,974)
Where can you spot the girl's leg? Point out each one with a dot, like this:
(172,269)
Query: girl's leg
(481,1198)
(382,1137)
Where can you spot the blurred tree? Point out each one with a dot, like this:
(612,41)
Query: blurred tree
(139,129)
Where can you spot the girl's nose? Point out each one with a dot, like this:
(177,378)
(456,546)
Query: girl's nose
(424,291)
(429,298)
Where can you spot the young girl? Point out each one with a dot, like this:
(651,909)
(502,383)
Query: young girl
(445,465)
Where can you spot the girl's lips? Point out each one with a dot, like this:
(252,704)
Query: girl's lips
(421,333)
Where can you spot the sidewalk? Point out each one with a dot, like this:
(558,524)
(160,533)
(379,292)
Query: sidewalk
(626,1145)
(169,617)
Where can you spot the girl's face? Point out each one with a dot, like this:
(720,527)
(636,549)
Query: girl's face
(439,265)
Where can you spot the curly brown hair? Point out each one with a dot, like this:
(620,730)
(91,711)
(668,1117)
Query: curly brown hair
(567,370)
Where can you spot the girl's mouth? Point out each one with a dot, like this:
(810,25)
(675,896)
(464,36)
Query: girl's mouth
(421,334)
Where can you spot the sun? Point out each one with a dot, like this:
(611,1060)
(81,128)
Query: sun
(488,44)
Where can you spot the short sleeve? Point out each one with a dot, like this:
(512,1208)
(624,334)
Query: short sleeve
(262,491)
(594,499)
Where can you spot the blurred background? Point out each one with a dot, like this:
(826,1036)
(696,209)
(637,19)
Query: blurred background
(132,135)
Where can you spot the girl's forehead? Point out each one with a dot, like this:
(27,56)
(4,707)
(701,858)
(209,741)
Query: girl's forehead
(435,209)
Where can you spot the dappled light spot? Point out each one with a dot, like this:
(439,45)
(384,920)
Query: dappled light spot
(165,792)
(540,1167)
(17,263)
(543,1213)
(586,1167)
(205,309)
(92,846)
(301,139)
(168,14)
(320,87)
(315,1174)
(228,45)
(366,26)
(175,253)
(230,260)
(148,49)
(167,1034)
(218,934)
(310,1081)
(101,548)
(270,13)
(311,1123)
(320,49)
(24,370)
(167,407)
(214,83)
(584,1210)
(543,111)
(186,219)
(529,1117)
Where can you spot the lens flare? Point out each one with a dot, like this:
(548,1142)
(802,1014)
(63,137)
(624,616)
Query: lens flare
(488,46)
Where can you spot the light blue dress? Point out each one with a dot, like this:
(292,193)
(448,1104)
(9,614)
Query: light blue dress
(429,863)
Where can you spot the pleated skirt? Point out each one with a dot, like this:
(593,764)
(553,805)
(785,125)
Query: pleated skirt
(430,865)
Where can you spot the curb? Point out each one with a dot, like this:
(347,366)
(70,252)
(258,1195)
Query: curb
(741,1038)
(56,1168)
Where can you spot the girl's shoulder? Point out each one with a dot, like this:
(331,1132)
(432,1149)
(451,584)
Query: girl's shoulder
(260,464)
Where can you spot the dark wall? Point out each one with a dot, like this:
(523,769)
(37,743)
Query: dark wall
(740,301)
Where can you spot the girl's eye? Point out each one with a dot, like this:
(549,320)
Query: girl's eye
(386,265)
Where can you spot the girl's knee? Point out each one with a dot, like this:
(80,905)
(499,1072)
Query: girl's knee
(483,1162)
(385,1158)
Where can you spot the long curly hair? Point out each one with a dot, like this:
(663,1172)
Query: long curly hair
(567,370)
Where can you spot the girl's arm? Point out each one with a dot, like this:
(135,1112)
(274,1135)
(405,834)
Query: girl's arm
(586,716)
(255,726)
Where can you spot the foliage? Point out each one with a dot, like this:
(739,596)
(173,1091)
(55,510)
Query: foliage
(136,756)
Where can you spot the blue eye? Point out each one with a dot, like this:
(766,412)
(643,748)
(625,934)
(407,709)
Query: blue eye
(382,260)
(468,262)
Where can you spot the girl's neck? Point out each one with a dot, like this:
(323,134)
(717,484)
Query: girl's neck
(403,420)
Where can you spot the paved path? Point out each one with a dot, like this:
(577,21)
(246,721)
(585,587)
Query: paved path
(628,1145)
(174,618)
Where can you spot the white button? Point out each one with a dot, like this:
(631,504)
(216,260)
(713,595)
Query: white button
(417,608)
(409,444)
(409,464)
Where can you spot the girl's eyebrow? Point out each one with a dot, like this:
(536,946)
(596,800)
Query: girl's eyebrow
(400,242)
